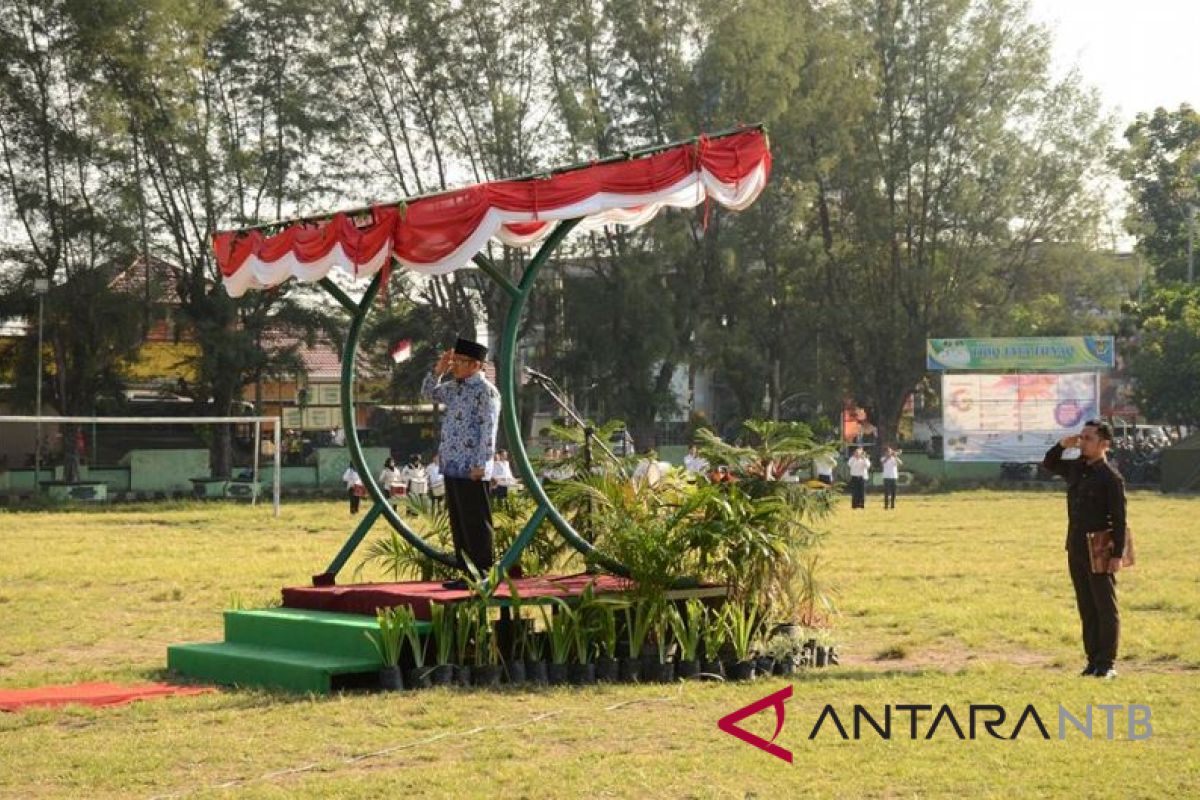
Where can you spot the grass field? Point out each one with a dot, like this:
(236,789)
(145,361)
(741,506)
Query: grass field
(957,599)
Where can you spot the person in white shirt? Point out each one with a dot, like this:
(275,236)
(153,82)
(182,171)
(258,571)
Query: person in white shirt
(415,477)
(437,483)
(389,477)
(891,475)
(355,489)
(694,463)
(860,468)
(499,475)
(823,466)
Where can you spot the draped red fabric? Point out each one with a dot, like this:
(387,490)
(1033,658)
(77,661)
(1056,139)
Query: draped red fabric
(429,230)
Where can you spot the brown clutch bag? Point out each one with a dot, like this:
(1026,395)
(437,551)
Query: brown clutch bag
(1100,546)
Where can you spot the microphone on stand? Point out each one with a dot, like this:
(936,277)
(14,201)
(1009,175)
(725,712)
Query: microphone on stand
(533,373)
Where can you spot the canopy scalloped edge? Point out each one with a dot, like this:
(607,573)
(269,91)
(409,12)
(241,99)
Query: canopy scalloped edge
(441,233)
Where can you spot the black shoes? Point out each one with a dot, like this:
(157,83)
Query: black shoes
(1089,671)
(1106,672)
(457,583)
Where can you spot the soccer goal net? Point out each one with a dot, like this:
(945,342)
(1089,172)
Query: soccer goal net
(139,456)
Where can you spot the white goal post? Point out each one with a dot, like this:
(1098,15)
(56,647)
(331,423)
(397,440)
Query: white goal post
(274,422)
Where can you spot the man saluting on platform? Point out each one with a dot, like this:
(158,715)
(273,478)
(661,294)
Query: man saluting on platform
(468,442)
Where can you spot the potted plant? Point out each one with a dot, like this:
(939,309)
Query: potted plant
(558,629)
(663,669)
(442,621)
(464,628)
(637,629)
(518,628)
(535,658)
(418,677)
(582,671)
(742,621)
(607,667)
(387,643)
(688,627)
(486,669)
(784,650)
(713,636)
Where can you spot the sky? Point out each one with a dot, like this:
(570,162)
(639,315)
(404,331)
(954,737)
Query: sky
(1139,54)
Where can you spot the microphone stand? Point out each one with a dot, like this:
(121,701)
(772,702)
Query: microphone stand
(589,435)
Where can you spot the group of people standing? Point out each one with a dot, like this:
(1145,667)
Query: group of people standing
(860,465)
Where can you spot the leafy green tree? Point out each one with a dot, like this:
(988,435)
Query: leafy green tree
(1165,360)
(59,175)
(1162,167)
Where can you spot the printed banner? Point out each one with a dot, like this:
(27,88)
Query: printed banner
(1014,417)
(1025,353)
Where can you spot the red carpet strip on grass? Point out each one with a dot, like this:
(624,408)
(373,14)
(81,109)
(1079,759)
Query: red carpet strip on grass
(92,694)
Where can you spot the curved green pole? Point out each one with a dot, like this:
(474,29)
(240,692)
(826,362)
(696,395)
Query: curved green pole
(359,313)
(512,429)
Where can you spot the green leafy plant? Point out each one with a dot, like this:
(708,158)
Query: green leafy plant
(410,628)
(638,620)
(483,589)
(606,627)
(689,628)
(661,616)
(389,637)
(559,630)
(715,633)
(742,619)
(441,619)
(464,628)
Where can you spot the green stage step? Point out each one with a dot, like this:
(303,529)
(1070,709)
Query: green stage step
(286,648)
(236,663)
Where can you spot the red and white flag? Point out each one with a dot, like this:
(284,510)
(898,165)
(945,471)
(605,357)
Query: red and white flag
(402,351)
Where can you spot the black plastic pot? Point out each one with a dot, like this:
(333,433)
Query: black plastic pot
(443,675)
(556,673)
(419,677)
(832,657)
(535,673)
(607,669)
(514,671)
(487,675)
(462,675)
(664,672)
(712,670)
(740,670)
(581,674)
(785,666)
(687,669)
(764,665)
(391,679)
(630,670)
(822,657)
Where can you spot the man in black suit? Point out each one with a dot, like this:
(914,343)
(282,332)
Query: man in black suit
(1095,502)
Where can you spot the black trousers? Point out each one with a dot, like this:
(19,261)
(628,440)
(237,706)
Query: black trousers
(354,501)
(858,492)
(470,522)
(1096,597)
(889,492)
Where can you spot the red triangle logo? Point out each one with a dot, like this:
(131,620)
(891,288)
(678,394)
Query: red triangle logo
(729,722)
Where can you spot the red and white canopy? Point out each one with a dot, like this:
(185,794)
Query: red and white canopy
(441,233)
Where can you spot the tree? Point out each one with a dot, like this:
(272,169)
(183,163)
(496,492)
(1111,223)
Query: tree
(60,173)
(1165,362)
(224,113)
(1162,167)
(967,159)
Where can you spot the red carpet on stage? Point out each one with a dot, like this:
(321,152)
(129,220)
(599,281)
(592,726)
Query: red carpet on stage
(364,598)
(91,694)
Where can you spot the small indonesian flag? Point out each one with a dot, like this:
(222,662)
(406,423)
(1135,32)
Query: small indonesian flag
(402,351)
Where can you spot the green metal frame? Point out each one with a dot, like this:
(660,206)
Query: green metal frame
(506,378)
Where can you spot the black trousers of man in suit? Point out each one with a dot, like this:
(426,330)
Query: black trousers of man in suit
(470,522)
(1096,597)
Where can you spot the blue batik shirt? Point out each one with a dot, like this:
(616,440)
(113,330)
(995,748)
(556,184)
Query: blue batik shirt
(469,424)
